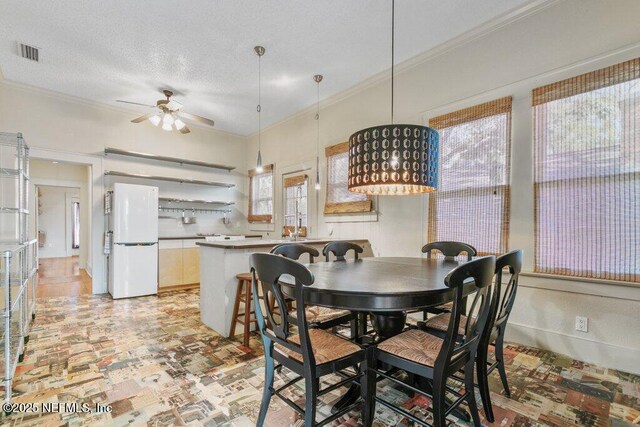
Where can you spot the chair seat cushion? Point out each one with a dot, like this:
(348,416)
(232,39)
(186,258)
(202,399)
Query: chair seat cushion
(326,347)
(414,345)
(317,314)
(441,323)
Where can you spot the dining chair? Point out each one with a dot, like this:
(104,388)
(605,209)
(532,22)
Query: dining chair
(340,249)
(427,356)
(317,317)
(310,354)
(450,250)
(502,302)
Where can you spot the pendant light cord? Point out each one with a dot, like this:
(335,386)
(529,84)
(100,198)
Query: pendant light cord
(393,47)
(318,120)
(259,99)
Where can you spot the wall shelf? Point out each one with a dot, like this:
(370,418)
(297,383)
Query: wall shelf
(170,179)
(166,159)
(207,202)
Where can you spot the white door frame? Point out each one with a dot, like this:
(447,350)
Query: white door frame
(96,263)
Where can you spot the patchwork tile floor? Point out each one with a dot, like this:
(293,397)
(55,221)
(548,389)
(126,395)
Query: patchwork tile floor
(154,362)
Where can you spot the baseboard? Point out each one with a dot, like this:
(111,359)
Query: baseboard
(178,287)
(586,350)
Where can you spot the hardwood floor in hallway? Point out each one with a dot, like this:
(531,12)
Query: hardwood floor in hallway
(62,277)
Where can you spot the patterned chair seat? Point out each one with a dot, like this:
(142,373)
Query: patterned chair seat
(316,314)
(414,345)
(326,347)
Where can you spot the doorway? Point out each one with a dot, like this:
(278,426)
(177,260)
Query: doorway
(60,202)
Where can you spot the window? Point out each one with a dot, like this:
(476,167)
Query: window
(75,228)
(295,204)
(339,199)
(261,195)
(472,201)
(587,174)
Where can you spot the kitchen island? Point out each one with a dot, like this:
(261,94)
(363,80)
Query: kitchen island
(220,261)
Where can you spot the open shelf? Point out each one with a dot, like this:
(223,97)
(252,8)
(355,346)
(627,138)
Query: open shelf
(166,159)
(170,179)
(208,202)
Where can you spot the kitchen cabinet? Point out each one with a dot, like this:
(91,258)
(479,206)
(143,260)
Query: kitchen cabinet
(178,264)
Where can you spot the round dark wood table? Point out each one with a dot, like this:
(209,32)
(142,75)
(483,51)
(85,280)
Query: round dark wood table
(386,287)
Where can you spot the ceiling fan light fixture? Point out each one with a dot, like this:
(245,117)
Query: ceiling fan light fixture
(167,119)
(166,126)
(179,124)
(155,120)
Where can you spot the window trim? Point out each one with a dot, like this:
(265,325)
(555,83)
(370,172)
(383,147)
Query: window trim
(294,181)
(339,208)
(491,108)
(268,169)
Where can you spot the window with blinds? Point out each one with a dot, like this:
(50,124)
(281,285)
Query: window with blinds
(339,199)
(587,174)
(472,201)
(261,195)
(295,205)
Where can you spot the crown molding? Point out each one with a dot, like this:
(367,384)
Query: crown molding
(480,31)
(96,104)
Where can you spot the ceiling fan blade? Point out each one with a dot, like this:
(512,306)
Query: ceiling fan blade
(184,129)
(174,105)
(196,118)
(142,118)
(135,103)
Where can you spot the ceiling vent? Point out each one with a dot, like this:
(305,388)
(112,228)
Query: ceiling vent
(31,53)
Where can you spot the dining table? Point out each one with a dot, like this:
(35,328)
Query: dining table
(387,288)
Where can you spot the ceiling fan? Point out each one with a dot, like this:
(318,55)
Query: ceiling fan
(169,114)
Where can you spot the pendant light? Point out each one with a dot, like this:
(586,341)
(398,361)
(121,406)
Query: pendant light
(318,78)
(393,159)
(259,51)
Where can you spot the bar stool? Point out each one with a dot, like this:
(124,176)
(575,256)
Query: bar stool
(244,295)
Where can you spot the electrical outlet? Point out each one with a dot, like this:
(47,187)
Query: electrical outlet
(582,324)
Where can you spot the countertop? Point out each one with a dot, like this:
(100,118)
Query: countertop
(248,244)
(248,236)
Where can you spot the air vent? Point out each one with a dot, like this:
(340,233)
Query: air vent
(29,52)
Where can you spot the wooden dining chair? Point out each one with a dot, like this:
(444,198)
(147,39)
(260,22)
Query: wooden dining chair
(436,359)
(310,354)
(340,249)
(502,300)
(450,251)
(317,317)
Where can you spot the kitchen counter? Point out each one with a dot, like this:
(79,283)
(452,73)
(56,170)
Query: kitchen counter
(221,261)
(249,244)
(248,236)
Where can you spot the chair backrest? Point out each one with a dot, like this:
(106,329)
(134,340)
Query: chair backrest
(270,268)
(340,249)
(450,250)
(505,295)
(295,251)
(460,348)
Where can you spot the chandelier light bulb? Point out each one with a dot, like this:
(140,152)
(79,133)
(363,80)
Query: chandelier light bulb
(179,124)
(155,119)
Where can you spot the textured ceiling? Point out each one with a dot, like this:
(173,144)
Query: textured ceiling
(203,49)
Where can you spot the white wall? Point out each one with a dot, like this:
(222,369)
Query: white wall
(566,38)
(53,220)
(58,127)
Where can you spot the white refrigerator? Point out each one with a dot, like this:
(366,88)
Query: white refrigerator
(133,223)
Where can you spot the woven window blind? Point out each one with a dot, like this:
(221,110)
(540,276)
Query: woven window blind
(339,199)
(472,201)
(295,189)
(587,174)
(261,195)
